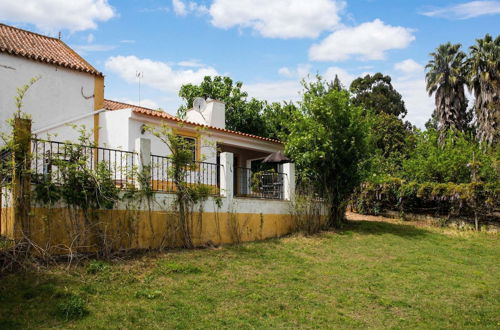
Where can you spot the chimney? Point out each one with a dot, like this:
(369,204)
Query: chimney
(212,114)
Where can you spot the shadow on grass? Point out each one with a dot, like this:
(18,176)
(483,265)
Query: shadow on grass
(37,295)
(380,228)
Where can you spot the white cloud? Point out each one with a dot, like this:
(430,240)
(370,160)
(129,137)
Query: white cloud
(289,90)
(285,72)
(182,9)
(278,18)
(54,15)
(368,41)
(158,75)
(90,38)
(466,10)
(417,101)
(127,41)
(409,67)
(179,7)
(146,103)
(345,77)
(191,64)
(412,88)
(276,91)
(300,72)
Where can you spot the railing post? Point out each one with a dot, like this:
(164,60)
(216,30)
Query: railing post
(21,178)
(289,181)
(227,175)
(143,160)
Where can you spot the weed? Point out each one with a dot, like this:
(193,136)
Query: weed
(148,294)
(72,308)
(97,266)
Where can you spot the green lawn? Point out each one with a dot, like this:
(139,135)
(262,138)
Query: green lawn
(372,274)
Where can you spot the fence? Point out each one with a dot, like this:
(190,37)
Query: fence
(200,173)
(267,184)
(49,156)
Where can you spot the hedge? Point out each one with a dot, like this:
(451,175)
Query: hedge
(440,199)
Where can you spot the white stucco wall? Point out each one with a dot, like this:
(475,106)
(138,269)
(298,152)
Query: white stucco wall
(55,98)
(119,130)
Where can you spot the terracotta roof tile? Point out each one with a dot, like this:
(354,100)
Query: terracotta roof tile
(41,48)
(114,105)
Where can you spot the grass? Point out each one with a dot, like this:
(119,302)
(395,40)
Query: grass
(371,274)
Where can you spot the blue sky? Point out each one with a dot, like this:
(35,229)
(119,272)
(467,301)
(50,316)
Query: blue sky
(269,45)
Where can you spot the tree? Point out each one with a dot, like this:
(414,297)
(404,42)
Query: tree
(242,115)
(376,93)
(483,67)
(446,79)
(278,118)
(328,142)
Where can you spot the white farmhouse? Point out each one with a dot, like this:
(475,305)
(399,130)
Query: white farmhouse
(70,90)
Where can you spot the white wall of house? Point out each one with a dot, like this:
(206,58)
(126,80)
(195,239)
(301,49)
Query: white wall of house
(55,98)
(119,129)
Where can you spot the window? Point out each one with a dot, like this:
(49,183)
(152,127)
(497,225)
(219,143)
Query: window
(191,144)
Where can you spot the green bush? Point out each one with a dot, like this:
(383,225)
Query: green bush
(428,198)
(449,162)
(97,266)
(73,308)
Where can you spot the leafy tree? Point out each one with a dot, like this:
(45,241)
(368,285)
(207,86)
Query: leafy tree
(278,118)
(337,84)
(328,142)
(449,161)
(242,115)
(376,93)
(446,79)
(483,67)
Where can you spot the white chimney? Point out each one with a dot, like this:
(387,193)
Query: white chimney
(212,113)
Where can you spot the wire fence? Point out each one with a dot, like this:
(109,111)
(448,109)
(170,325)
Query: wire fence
(200,173)
(266,184)
(49,158)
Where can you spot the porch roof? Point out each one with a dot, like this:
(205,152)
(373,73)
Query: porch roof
(115,105)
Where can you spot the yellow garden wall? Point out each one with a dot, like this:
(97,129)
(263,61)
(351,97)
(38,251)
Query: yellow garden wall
(63,230)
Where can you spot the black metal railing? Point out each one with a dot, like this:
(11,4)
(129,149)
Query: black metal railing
(266,184)
(199,173)
(47,157)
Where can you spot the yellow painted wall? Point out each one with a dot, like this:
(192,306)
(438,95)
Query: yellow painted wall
(63,230)
(7,223)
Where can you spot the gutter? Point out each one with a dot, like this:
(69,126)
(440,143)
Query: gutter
(41,130)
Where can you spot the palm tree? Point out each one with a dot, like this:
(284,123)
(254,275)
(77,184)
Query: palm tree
(483,67)
(445,77)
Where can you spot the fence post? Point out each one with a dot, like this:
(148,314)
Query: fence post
(21,178)
(227,175)
(143,156)
(289,181)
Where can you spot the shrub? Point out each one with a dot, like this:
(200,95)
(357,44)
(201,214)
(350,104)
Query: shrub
(73,308)
(97,266)
(450,162)
(429,198)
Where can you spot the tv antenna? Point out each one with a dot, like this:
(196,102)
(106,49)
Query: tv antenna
(139,75)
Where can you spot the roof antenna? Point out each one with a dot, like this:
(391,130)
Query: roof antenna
(139,76)
(60,35)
